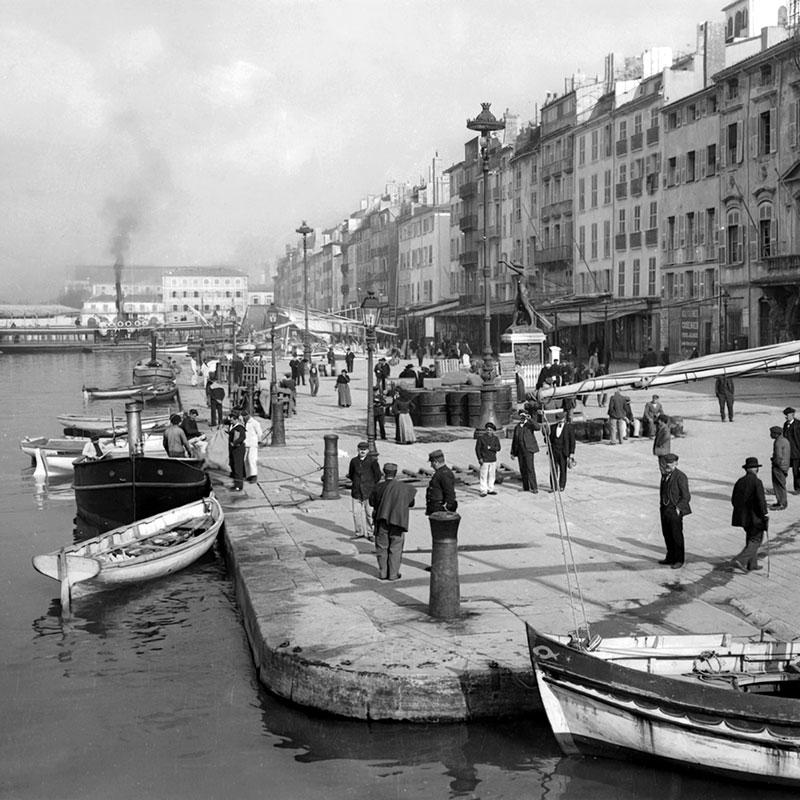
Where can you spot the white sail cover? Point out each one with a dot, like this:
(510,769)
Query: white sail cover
(735,362)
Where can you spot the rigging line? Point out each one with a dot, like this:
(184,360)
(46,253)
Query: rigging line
(566,542)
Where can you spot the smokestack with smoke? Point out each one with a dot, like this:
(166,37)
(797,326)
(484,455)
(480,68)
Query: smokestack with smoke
(121,242)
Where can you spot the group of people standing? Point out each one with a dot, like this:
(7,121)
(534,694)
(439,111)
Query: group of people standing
(381,503)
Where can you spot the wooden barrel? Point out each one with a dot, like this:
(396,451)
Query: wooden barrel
(473,407)
(432,408)
(457,413)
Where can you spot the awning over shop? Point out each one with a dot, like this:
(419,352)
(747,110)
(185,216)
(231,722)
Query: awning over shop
(429,311)
(594,314)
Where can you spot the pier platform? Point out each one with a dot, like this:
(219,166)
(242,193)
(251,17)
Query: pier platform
(327,634)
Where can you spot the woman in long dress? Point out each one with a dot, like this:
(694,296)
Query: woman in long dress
(405,427)
(343,389)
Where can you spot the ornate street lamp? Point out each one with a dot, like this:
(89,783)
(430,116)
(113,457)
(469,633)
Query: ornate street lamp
(275,404)
(484,124)
(304,230)
(370,314)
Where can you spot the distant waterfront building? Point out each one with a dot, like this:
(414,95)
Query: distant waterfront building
(215,293)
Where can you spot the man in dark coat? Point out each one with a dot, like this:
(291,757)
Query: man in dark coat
(524,447)
(561,438)
(349,359)
(791,431)
(364,473)
(749,512)
(781,460)
(674,506)
(391,500)
(487,446)
(294,366)
(441,492)
(723,389)
(379,413)
(382,370)
(236,450)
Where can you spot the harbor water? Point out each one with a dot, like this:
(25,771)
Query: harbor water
(150,692)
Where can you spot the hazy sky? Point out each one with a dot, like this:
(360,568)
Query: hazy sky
(199,132)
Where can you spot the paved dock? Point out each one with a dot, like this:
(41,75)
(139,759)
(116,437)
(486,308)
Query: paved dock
(327,634)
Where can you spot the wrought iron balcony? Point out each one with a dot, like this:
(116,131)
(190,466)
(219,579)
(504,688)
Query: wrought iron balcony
(467,189)
(468,259)
(468,222)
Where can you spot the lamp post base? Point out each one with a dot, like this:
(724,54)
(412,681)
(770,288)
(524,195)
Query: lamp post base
(276,413)
(487,414)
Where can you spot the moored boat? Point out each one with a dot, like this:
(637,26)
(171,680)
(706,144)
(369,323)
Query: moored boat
(714,702)
(116,491)
(149,548)
(144,391)
(108,427)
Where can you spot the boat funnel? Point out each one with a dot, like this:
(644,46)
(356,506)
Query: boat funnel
(133,410)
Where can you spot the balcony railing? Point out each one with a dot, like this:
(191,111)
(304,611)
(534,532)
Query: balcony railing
(622,147)
(652,135)
(549,255)
(636,141)
(635,240)
(468,259)
(467,189)
(620,241)
(557,167)
(621,191)
(651,237)
(468,222)
(783,263)
(557,209)
(636,187)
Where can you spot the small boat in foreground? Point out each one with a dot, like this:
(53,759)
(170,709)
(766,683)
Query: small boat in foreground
(715,702)
(147,549)
(108,427)
(150,391)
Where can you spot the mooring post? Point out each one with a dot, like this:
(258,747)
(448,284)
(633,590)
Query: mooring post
(445,596)
(330,468)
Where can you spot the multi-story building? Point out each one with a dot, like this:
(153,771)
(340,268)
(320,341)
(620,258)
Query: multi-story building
(213,292)
(424,262)
(758,184)
(144,309)
(690,219)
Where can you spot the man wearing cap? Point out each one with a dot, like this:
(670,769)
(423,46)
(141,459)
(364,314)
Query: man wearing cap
(174,439)
(487,446)
(93,449)
(364,473)
(749,512)
(524,447)
(791,432)
(674,506)
(781,460)
(391,500)
(252,437)
(441,492)
(561,439)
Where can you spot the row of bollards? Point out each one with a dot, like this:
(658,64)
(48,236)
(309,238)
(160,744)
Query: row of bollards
(445,596)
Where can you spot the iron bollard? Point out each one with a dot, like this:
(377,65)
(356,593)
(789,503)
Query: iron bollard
(330,468)
(445,599)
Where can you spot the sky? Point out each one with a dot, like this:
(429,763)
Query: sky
(199,132)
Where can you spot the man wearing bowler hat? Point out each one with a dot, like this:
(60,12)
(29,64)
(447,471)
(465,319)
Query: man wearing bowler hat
(749,512)
(674,506)
(791,430)
(441,492)
(391,500)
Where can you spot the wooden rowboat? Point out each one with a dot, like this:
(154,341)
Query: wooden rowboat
(714,702)
(147,549)
(105,426)
(150,391)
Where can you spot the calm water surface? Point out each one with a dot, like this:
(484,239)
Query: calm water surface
(150,692)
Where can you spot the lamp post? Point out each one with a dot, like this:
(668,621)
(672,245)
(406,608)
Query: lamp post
(275,404)
(304,230)
(370,314)
(484,124)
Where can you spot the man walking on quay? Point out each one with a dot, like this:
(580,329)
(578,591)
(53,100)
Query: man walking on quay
(313,379)
(791,432)
(781,460)
(561,439)
(349,360)
(487,446)
(364,474)
(723,389)
(216,394)
(391,500)
(618,417)
(674,506)
(524,447)
(749,512)
(441,492)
